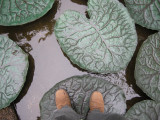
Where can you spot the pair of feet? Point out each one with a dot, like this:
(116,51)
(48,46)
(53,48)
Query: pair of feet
(96,100)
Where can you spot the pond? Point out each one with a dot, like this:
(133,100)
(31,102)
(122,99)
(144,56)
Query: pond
(49,65)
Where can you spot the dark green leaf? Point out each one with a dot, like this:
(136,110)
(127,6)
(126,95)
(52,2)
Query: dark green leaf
(13,71)
(17,12)
(104,43)
(145,110)
(145,12)
(80,89)
(147,70)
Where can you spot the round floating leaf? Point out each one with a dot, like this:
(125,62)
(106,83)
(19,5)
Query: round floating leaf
(104,43)
(18,12)
(80,89)
(145,12)
(147,69)
(145,110)
(13,71)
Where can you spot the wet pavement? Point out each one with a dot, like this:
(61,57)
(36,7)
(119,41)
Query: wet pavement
(48,64)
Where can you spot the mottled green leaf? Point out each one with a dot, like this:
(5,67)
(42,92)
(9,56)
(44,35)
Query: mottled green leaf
(18,12)
(145,12)
(80,89)
(104,43)
(13,71)
(144,110)
(147,70)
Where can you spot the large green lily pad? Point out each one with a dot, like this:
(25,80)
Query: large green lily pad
(145,12)
(13,71)
(80,89)
(147,69)
(104,43)
(18,12)
(144,110)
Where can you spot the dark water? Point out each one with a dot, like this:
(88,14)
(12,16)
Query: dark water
(48,65)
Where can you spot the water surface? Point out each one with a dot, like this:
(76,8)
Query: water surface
(48,65)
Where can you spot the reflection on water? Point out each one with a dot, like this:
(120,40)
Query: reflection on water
(48,65)
(23,34)
(29,79)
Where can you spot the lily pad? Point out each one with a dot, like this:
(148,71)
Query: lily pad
(147,69)
(18,12)
(145,110)
(80,89)
(145,12)
(13,71)
(104,43)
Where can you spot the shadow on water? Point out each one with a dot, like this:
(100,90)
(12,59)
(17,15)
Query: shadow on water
(130,72)
(81,2)
(84,2)
(29,79)
(122,1)
(133,101)
(27,31)
(38,118)
(15,111)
